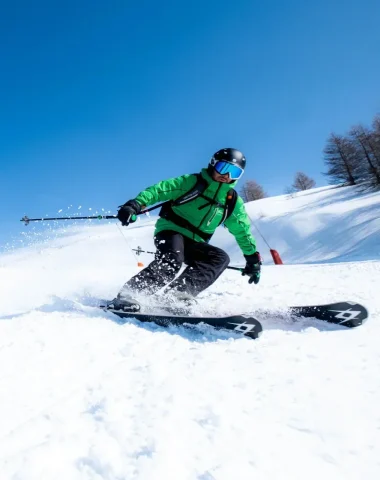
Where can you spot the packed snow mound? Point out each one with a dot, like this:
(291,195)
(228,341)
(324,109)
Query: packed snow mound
(328,224)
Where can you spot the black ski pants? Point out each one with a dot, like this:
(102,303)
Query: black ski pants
(204,263)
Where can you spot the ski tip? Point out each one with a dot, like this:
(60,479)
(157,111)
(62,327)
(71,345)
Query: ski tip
(347,313)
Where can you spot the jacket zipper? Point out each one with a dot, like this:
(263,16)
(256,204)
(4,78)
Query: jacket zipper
(212,217)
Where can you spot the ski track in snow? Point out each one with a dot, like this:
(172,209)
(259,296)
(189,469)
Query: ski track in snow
(85,397)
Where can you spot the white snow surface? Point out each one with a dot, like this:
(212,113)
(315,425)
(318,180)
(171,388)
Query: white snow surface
(85,397)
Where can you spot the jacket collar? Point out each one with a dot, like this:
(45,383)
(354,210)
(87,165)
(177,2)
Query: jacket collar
(210,181)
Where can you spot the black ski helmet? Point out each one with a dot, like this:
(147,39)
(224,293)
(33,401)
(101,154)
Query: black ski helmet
(230,155)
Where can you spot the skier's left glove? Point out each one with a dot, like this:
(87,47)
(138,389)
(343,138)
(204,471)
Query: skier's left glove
(253,267)
(128,212)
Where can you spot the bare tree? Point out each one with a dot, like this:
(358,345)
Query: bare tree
(375,138)
(364,144)
(289,190)
(302,182)
(251,190)
(341,160)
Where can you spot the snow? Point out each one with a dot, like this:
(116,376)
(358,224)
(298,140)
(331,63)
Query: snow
(85,397)
(327,224)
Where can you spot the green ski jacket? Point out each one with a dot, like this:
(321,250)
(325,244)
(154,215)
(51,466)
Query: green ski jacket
(205,219)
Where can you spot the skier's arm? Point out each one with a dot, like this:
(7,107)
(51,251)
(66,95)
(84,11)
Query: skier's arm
(239,225)
(166,190)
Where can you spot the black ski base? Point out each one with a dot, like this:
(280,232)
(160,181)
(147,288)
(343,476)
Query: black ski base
(248,326)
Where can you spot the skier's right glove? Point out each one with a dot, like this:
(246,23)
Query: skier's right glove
(253,267)
(128,212)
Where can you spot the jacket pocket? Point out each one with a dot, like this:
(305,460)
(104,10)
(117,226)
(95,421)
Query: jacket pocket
(217,212)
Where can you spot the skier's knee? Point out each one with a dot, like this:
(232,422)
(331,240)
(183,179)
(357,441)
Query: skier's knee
(226,260)
(222,258)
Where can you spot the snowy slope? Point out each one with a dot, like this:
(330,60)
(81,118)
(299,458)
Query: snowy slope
(83,397)
(327,224)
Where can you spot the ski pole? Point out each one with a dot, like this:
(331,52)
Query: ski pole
(139,264)
(239,269)
(275,255)
(98,217)
(139,250)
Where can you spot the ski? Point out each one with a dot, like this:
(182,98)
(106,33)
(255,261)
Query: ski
(247,325)
(348,314)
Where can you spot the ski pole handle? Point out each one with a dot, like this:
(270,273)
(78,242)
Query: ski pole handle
(131,219)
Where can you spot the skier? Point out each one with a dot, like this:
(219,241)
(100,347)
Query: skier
(195,205)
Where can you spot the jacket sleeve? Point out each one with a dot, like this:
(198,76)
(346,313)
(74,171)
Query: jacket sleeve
(239,225)
(170,189)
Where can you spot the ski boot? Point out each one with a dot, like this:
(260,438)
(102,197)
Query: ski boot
(125,304)
(179,303)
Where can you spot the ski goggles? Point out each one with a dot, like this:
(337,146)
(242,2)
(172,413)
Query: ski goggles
(223,167)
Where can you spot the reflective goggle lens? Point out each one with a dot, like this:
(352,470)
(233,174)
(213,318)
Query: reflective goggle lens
(224,167)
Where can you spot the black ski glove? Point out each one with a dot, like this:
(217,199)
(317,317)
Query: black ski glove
(253,267)
(127,212)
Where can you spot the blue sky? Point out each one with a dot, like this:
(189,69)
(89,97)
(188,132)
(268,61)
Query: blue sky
(101,99)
